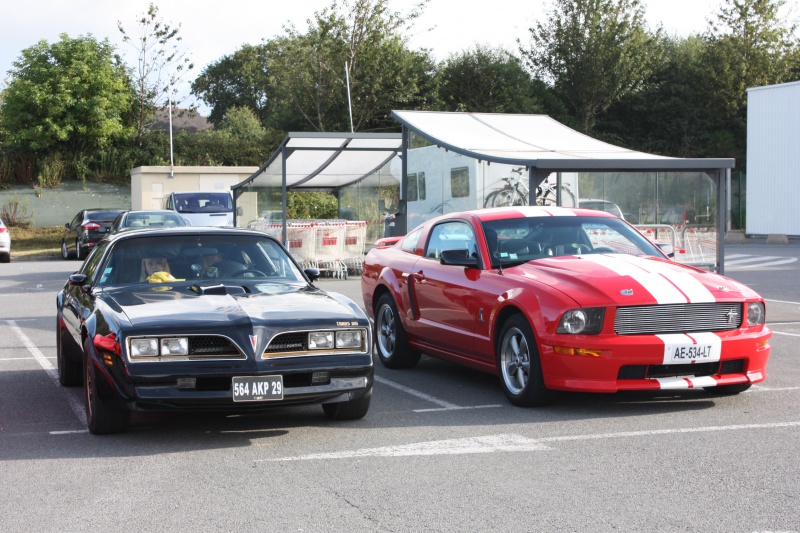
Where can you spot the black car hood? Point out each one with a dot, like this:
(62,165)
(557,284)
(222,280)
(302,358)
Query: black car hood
(165,306)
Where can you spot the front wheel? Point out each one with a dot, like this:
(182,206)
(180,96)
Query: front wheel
(520,367)
(101,416)
(64,251)
(390,336)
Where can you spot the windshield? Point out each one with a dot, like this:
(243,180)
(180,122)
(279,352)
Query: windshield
(197,257)
(519,240)
(204,202)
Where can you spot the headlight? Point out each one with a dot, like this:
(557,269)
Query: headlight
(320,340)
(756,315)
(144,347)
(348,339)
(175,346)
(586,321)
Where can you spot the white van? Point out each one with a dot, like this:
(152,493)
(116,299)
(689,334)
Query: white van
(202,208)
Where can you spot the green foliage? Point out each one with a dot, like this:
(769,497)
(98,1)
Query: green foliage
(487,80)
(51,171)
(242,124)
(68,96)
(311,205)
(241,79)
(593,52)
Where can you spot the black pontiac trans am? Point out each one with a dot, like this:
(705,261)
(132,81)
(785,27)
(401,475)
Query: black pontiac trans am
(227,322)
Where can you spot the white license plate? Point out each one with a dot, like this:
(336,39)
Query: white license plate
(257,389)
(691,348)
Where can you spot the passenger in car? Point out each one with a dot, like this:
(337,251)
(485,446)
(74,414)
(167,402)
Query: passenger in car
(153,264)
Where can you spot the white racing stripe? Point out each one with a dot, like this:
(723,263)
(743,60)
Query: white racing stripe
(685,282)
(48,367)
(664,293)
(686,383)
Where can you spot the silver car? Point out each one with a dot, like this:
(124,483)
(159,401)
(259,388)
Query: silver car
(5,243)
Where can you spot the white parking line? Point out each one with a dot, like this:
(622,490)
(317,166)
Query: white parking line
(48,367)
(787,334)
(771,263)
(753,259)
(445,406)
(510,443)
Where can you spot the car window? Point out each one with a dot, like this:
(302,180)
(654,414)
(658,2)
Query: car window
(92,262)
(451,235)
(410,241)
(198,257)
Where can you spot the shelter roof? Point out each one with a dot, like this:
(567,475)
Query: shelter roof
(537,141)
(326,160)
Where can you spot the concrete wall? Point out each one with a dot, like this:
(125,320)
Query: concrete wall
(150,185)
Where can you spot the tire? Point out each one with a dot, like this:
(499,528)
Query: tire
(64,252)
(727,390)
(390,337)
(350,410)
(69,371)
(519,366)
(549,197)
(5,258)
(490,198)
(78,253)
(102,417)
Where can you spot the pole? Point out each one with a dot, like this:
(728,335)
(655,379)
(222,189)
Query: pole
(349,101)
(171,161)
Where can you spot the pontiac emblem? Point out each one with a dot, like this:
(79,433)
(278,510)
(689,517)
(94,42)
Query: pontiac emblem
(626,292)
(254,341)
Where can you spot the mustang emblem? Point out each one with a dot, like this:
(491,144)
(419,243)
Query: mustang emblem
(254,341)
(723,288)
(731,315)
(626,292)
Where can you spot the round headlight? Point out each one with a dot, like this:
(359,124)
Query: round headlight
(755,314)
(574,321)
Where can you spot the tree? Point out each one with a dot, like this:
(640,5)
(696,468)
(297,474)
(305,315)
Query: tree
(751,45)
(364,38)
(71,95)
(490,80)
(160,67)
(241,79)
(593,52)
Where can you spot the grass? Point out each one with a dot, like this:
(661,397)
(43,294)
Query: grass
(32,242)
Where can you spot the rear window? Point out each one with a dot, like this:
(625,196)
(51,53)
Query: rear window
(203,202)
(102,215)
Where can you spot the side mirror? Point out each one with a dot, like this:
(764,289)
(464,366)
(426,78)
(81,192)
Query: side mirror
(66,225)
(458,258)
(312,273)
(667,248)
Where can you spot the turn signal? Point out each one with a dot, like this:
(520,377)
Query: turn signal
(564,350)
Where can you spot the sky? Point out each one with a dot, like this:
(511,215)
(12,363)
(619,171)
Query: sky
(211,29)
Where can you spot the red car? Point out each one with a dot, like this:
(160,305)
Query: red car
(561,299)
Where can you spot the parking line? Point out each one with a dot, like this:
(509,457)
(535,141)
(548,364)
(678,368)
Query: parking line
(445,406)
(48,367)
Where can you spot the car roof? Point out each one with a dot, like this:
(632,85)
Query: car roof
(496,213)
(184,230)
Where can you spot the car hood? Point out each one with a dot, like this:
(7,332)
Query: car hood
(164,307)
(618,279)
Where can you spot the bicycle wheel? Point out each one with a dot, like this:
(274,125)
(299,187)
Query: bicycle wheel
(489,201)
(548,197)
(509,197)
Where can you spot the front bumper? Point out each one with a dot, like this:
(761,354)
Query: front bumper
(636,362)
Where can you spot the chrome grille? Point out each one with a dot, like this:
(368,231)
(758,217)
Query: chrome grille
(677,318)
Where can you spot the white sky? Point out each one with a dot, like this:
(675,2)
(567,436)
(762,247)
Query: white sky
(214,28)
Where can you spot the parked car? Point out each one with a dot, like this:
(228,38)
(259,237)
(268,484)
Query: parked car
(202,208)
(85,230)
(5,243)
(601,205)
(150,323)
(561,299)
(146,219)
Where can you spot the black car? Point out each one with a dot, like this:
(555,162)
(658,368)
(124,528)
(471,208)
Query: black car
(207,318)
(146,219)
(85,230)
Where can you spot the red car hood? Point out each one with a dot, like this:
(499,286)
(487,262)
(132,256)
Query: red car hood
(598,280)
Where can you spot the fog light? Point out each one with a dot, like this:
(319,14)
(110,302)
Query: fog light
(320,378)
(187,383)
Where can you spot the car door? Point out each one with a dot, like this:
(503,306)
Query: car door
(443,293)
(71,233)
(78,301)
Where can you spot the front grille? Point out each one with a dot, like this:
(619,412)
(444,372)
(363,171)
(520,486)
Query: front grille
(288,342)
(735,366)
(212,346)
(677,318)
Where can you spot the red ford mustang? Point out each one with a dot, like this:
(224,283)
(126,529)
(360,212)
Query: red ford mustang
(561,299)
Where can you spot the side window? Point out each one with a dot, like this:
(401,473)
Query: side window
(459,182)
(453,235)
(77,220)
(90,268)
(409,243)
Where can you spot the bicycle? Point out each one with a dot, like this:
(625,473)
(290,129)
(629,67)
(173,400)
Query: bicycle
(515,193)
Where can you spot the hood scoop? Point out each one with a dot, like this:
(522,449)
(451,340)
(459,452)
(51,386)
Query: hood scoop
(217,290)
